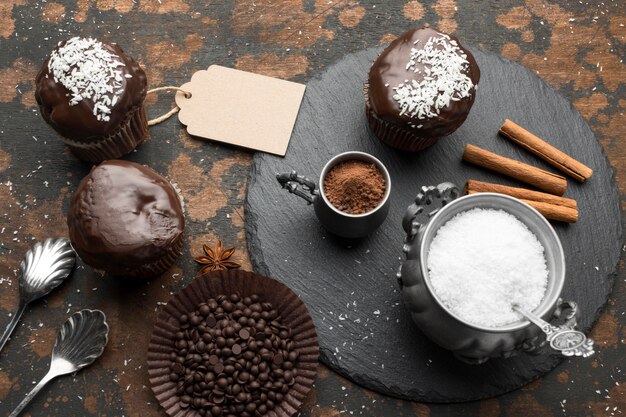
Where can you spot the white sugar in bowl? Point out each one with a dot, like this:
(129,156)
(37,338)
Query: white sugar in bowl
(435,206)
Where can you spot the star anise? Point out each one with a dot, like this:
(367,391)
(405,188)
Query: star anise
(216,259)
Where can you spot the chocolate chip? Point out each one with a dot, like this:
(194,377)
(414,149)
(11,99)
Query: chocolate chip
(210,321)
(236,349)
(244,334)
(222,383)
(177,368)
(229,331)
(288,376)
(194,319)
(260,336)
(218,368)
(204,310)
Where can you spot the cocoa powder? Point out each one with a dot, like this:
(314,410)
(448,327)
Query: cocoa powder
(354,186)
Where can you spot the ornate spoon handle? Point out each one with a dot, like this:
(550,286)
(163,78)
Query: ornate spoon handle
(564,339)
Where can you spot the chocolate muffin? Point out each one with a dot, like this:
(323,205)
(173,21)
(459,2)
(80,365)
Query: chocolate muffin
(127,220)
(93,95)
(420,88)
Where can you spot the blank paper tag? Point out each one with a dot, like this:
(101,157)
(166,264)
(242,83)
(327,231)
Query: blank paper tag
(241,108)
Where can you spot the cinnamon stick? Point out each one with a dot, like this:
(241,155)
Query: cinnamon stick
(521,193)
(544,180)
(545,151)
(552,207)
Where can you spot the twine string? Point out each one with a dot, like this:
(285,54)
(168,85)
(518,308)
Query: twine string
(173,111)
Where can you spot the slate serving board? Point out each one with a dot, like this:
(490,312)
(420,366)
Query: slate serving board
(350,288)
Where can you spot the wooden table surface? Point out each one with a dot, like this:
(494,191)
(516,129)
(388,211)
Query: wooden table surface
(577,46)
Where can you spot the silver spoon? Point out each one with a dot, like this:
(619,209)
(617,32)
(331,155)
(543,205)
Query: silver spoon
(564,339)
(43,268)
(79,343)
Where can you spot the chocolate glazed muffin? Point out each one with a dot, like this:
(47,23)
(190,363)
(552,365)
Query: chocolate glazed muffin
(93,95)
(420,88)
(127,220)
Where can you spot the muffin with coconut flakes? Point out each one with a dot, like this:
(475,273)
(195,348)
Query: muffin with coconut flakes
(93,95)
(421,87)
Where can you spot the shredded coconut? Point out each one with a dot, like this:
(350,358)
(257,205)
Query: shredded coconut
(90,72)
(443,64)
(482,261)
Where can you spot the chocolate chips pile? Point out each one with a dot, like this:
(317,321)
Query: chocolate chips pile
(233,357)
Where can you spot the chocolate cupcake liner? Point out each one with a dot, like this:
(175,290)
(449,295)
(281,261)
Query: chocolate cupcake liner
(209,285)
(132,132)
(161,265)
(393,135)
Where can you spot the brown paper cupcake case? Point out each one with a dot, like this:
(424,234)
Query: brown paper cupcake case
(162,264)
(132,132)
(391,134)
(292,310)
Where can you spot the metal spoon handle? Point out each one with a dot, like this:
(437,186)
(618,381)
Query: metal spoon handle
(11,326)
(545,327)
(564,339)
(47,378)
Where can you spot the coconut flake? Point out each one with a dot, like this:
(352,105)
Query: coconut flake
(444,65)
(88,70)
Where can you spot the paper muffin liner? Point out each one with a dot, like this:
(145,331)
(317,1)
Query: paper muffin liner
(209,285)
(393,135)
(132,132)
(161,265)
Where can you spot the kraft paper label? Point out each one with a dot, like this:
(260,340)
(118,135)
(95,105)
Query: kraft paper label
(241,108)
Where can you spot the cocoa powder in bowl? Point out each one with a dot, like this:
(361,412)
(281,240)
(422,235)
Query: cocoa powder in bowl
(355,186)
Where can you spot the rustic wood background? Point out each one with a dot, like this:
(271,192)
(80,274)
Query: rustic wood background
(577,46)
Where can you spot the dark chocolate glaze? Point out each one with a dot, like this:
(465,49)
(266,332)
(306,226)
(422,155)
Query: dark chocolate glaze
(78,122)
(124,215)
(390,68)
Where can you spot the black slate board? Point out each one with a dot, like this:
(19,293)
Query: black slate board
(350,288)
